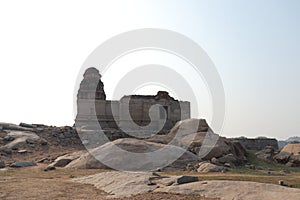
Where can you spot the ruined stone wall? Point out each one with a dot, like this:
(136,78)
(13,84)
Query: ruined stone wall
(92,107)
(257,143)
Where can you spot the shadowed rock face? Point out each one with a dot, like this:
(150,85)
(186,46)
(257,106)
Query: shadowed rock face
(266,154)
(289,155)
(257,143)
(184,135)
(282,157)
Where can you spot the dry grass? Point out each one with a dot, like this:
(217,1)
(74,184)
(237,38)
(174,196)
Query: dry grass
(34,183)
(292,180)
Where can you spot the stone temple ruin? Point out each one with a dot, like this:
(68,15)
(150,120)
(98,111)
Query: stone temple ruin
(92,107)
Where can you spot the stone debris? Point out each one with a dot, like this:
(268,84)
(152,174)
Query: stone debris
(266,154)
(257,144)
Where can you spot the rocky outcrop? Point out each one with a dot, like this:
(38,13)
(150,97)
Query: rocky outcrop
(257,143)
(182,129)
(266,154)
(205,167)
(293,139)
(282,157)
(19,139)
(37,134)
(292,148)
(294,161)
(63,136)
(289,155)
(202,138)
(64,160)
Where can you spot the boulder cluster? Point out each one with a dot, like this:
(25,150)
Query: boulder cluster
(24,140)
(200,148)
(221,155)
(289,155)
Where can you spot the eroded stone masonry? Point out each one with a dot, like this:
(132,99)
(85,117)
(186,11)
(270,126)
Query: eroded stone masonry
(93,108)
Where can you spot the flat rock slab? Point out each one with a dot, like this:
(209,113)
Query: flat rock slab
(125,184)
(22,164)
(238,190)
(136,155)
(120,184)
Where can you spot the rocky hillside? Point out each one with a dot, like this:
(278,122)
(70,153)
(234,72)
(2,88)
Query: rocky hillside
(202,149)
(36,142)
(222,154)
(290,140)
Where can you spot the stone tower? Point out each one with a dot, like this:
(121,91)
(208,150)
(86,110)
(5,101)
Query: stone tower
(91,87)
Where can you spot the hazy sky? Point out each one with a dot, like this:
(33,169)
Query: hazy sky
(255,46)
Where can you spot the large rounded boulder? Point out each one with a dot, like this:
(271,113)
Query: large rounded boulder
(134,155)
